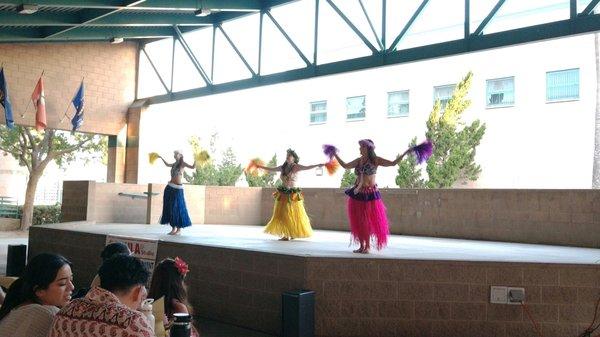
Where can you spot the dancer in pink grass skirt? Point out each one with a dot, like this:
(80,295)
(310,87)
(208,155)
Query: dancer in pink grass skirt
(366,211)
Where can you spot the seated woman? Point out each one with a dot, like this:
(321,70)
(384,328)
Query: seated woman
(109,251)
(32,300)
(168,282)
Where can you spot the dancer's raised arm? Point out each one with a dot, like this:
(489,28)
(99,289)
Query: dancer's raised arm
(345,165)
(384,162)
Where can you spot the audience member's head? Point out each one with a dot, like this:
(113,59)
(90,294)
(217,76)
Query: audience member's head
(167,282)
(113,249)
(47,280)
(125,276)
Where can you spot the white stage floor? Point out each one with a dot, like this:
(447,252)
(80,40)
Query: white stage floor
(336,244)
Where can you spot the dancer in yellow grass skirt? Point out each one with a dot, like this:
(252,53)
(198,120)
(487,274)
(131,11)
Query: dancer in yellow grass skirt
(289,220)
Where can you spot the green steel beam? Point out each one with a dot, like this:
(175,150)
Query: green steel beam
(573,9)
(288,38)
(353,27)
(149,5)
(408,25)
(580,25)
(43,19)
(316,39)
(260,37)
(156,70)
(383,23)
(99,14)
(489,17)
(191,55)
(13,35)
(237,51)
(590,8)
(467,30)
(364,10)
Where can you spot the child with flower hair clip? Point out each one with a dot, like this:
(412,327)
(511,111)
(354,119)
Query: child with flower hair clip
(168,282)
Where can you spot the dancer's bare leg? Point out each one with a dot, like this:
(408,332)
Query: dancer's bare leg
(172,231)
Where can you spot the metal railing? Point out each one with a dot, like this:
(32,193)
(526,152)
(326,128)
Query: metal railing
(9,208)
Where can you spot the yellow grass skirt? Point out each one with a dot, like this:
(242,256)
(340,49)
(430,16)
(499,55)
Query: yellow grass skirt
(289,217)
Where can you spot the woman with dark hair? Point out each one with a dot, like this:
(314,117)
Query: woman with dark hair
(109,251)
(33,300)
(168,282)
(289,220)
(174,210)
(366,211)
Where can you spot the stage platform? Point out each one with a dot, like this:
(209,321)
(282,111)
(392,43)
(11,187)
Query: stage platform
(418,286)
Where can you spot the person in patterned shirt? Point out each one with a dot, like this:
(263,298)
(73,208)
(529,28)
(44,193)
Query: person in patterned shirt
(111,309)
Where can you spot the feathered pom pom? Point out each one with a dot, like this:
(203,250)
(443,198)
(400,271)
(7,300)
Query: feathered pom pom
(332,166)
(253,165)
(201,157)
(152,156)
(329,150)
(423,151)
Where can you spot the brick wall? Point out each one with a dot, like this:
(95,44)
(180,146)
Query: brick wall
(560,217)
(232,205)
(362,297)
(109,72)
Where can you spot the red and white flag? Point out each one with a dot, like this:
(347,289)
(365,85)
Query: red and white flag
(39,101)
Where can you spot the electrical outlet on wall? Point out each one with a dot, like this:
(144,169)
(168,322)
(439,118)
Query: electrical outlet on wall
(516,295)
(498,295)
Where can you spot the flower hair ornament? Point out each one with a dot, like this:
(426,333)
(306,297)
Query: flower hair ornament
(181,266)
(367,143)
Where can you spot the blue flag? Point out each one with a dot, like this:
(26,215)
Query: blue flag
(78,103)
(5,101)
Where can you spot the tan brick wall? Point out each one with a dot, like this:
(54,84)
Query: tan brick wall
(363,297)
(558,217)
(75,201)
(233,206)
(561,217)
(369,297)
(109,72)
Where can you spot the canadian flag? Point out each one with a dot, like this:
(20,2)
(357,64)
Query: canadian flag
(39,101)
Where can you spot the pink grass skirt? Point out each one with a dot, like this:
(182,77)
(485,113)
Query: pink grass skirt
(368,220)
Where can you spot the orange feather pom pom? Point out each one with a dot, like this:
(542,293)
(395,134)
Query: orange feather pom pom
(332,166)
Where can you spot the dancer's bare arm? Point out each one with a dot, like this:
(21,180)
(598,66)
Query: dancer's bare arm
(345,165)
(270,169)
(299,167)
(189,166)
(164,161)
(385,162)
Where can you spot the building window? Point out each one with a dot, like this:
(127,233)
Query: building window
(355,107)
(318,112)
(443,93)
(398,104)
(500,92)
(562,85)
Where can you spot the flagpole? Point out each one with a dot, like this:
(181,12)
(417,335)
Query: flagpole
(29,100)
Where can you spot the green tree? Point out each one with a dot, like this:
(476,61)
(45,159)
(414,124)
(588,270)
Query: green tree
(229,170)
(453,158)
(409,174)
(265,180)
(348,179)
(226,173)
(35,150)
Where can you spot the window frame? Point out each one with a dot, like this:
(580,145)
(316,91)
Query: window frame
(571,99)
(502,105)
(443,107)
(317,113)
(353,119)
(407,103)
